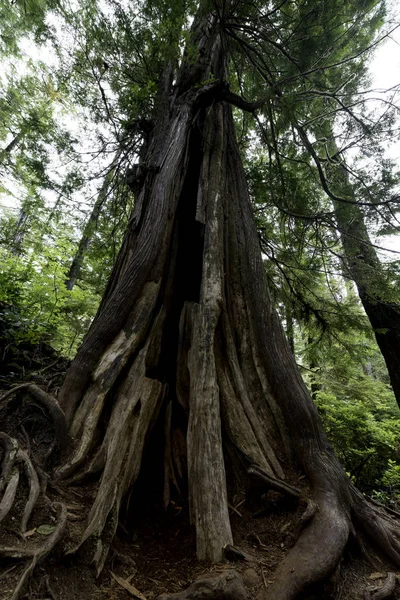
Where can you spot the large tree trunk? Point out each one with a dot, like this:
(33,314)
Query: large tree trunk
(360,260)
(187,323)
(187,334)
(362,264)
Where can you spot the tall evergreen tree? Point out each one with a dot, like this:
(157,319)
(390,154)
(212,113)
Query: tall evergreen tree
(186,336)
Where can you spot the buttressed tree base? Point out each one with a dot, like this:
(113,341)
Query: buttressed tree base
(187,344)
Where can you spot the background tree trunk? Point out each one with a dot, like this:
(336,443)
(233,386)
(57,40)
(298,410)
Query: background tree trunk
(91,224)
(363,266)
(361,261)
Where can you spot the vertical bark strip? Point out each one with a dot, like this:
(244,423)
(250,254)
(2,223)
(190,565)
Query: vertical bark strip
(142,257)
(206,469)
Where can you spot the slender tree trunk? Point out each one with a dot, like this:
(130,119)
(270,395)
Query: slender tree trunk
(361,261)
(90,226)
(19,232)
(10,147)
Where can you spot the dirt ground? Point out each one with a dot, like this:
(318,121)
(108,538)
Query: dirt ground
(154,550)
(156,554)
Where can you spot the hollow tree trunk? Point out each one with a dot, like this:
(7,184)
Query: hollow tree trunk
(187,342)
(187,333)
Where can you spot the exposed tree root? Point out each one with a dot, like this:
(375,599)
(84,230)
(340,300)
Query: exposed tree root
(17,466)
(13,458)
(51,405)
(34,488)
(326,523)
(317,552)
(385,591)
(10,449)
(9,495)
(226,586)
(380,527)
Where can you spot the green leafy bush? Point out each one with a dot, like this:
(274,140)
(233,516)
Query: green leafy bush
(35,304)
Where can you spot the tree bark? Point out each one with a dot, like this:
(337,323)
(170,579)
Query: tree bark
(362,264)
(187,319)
(361,261)
(202,335)
(90,226)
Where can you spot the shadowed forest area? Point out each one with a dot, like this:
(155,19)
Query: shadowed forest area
(199,301)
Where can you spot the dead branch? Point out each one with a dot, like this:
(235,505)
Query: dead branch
(272,483)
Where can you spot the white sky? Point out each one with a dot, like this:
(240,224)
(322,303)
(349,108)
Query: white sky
(385,68)
(385,74)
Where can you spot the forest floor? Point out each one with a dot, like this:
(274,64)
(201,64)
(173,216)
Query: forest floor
(154,550)
(158,557)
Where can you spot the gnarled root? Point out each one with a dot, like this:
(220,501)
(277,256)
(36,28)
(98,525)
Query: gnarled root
(9,495)
(316,554)
(332,514)
(34,488)
(16,462)
(226,586)
(45,400)
(19,465)
(10,448)
(380,527)
(383,592)
(10,477)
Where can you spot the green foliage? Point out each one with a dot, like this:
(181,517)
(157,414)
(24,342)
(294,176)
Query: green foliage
(350,386)
(21,17)
(36,305)
(362,423)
